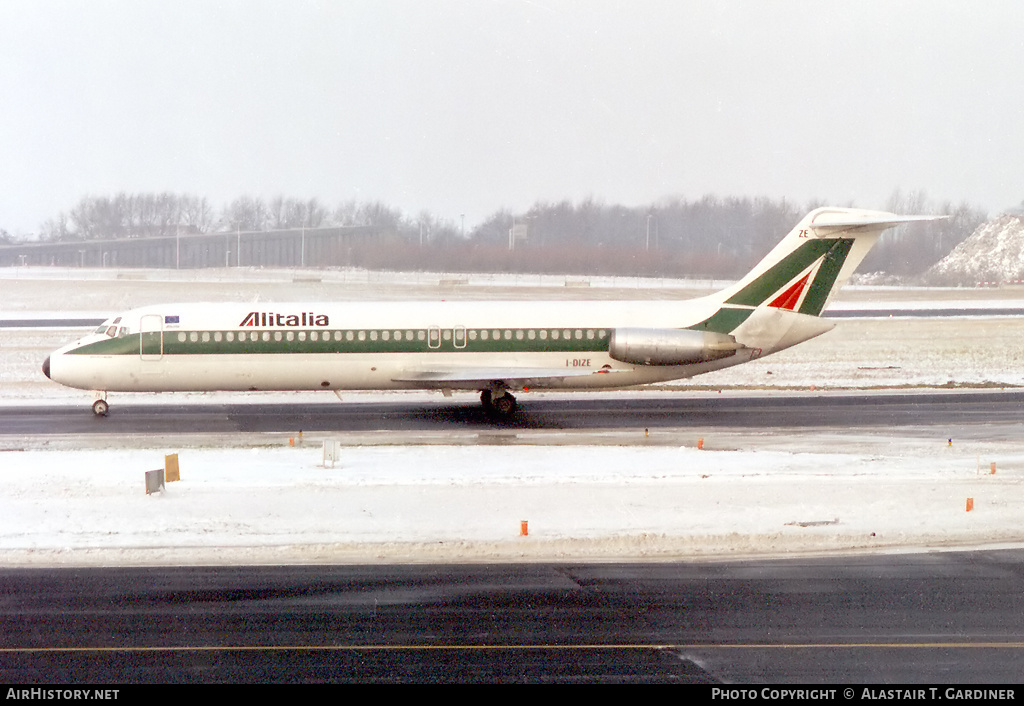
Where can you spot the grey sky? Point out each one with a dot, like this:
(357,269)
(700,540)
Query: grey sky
(470,106)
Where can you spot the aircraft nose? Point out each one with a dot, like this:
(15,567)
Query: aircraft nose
(46,366)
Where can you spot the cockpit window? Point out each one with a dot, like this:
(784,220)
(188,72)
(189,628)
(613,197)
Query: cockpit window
(122,332)
(110,328)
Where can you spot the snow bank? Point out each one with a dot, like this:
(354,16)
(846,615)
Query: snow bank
(993,253)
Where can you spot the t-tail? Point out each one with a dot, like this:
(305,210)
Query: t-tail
(779,303)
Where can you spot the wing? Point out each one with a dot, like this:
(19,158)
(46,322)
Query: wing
(440,378)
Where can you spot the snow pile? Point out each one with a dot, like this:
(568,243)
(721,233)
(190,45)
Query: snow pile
(993,254)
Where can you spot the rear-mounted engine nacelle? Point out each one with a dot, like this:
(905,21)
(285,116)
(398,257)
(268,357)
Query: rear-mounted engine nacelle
(666,346)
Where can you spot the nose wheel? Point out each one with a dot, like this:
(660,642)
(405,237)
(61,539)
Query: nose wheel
(100,408)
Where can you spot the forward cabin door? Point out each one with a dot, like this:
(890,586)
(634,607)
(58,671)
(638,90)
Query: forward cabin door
(151,339)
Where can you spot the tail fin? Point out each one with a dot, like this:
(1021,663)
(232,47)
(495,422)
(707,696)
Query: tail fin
(811,263)
(807,267)
(779,302)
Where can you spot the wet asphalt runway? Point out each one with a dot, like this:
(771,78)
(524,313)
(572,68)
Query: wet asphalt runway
(952,412)
(941,618)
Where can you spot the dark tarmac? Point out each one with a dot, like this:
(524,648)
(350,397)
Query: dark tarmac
(938,618)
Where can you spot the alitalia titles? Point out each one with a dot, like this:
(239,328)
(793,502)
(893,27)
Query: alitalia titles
(270,318)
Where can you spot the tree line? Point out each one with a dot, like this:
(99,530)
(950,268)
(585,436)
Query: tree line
(150,215)
(705,237)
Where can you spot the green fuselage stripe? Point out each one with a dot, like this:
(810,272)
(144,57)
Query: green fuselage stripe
(516,341)
(725,320)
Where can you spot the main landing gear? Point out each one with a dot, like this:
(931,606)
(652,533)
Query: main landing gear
(499,403)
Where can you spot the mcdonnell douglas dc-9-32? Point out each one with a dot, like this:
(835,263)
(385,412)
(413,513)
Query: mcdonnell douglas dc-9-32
(495,348)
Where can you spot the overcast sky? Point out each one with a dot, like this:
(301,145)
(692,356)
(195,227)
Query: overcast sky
(469,106)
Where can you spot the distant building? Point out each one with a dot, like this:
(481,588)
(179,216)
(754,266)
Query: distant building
(297,247)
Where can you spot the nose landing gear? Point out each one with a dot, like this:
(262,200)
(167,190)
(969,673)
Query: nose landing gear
(100,407)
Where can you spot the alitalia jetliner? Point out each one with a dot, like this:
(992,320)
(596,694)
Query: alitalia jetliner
(496,348)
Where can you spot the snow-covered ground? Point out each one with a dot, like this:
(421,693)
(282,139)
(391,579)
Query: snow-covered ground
(462,496)
(260,500)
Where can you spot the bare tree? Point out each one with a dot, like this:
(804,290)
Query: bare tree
(248,213)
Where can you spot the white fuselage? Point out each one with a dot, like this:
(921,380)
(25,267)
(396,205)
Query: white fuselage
(363,346)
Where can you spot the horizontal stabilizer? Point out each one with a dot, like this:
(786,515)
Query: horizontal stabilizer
(844,220)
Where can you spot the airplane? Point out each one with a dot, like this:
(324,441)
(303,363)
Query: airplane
(494,348)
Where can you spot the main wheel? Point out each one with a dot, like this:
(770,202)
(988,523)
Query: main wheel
(504,405)
(100,408)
